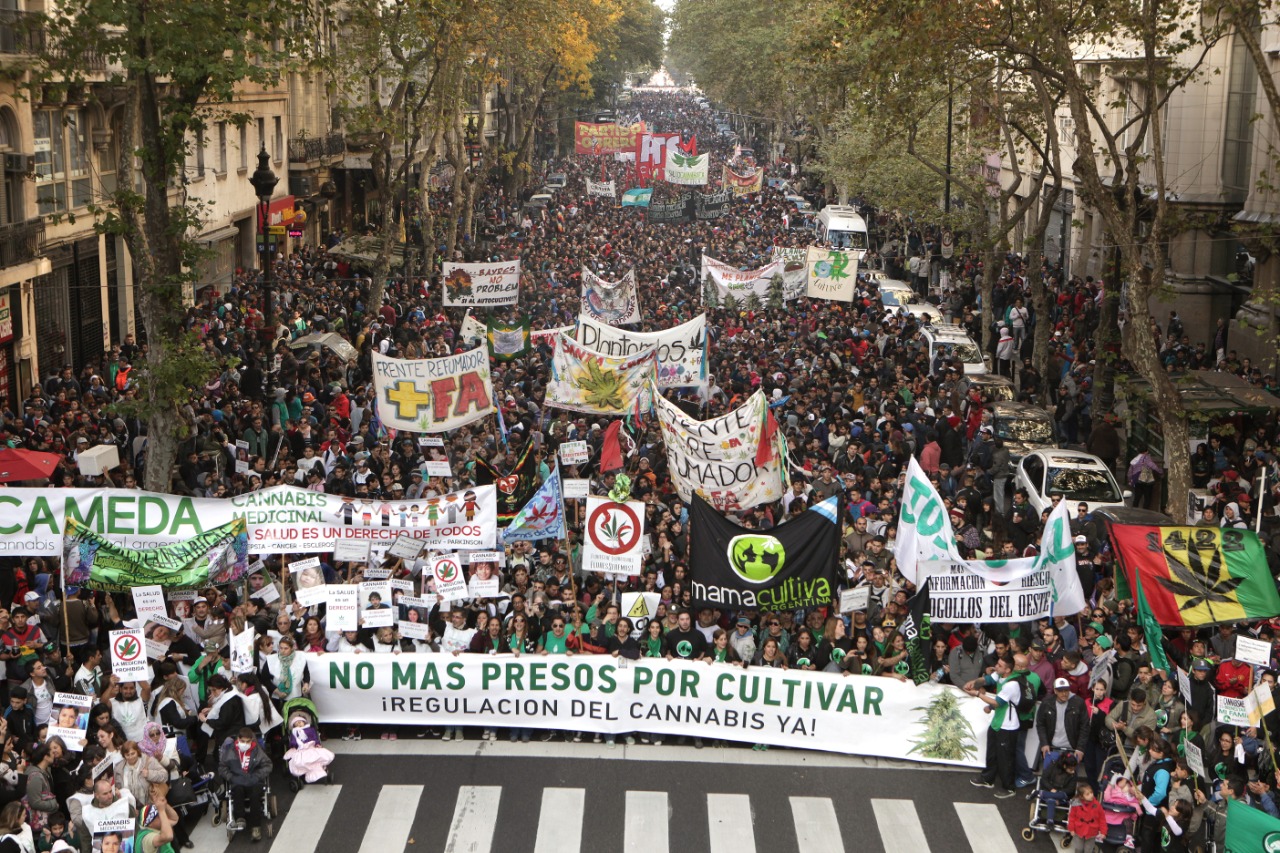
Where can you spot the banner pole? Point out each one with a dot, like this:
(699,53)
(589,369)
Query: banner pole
(1262,499)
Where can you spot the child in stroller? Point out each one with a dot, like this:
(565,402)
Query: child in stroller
(1121,805)
(308,760)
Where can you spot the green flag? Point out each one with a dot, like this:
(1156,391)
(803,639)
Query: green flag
(508,341)
(1251,830)
(220,555)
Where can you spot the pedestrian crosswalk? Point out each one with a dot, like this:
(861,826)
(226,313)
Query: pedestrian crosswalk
(490,818)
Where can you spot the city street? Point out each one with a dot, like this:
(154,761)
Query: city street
(563,797)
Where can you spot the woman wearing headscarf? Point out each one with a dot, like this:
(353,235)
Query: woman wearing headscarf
(285,674)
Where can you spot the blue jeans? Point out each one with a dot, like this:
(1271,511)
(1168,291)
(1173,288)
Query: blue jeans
(1051,799)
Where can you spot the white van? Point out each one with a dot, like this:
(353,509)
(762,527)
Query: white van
(955,341)
(842,227)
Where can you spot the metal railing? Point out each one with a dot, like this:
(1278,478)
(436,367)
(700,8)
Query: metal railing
(20,242)
(308,148)
(21,32)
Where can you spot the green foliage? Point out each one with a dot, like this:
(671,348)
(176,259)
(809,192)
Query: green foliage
(187,364)
(774,299)
(947,734)
(633,45)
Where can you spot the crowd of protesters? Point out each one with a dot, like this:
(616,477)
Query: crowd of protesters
(853,389)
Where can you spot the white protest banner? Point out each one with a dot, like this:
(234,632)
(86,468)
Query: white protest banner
(156,650)
(128,656)
(681,350)
(149,601)
(1232,711)
(405,547)
(1253,652)
(576,488)
(574,452)
(472,329)
(855,599)
(474,557)
(718,458)
(350,550)
(482,284)
(924,528)
(342,608)
(241,648)
(640,608)
(300,565)
(731,281)
(174,625)
(1195,758)
(689,170)
(1258,703)
(601,188)
(280,520)
(956,594)
(70,718)
(833,273)
(795,270)
(613,302)
(583,380)
(857,715)
(376,573)
(612,536)
(450,583)
(377,618)
(433,394)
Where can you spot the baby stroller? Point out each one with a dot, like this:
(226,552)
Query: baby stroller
(1055,787)
(1121,806)
(307,761)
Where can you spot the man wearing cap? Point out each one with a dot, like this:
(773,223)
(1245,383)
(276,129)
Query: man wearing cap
(1039,662)
(1204,702)
(1062,721)
(1104,659)
(202,625)
(743,639)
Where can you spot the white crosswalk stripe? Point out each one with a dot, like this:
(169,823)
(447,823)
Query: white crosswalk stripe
(649,823)
(730,822)
(474,819)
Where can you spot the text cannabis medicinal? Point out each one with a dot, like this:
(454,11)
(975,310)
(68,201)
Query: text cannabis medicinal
(856,715)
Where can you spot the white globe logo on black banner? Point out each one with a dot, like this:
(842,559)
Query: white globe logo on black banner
(756,557)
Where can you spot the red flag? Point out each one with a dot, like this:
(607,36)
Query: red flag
(765,450)
(691,147)
(611,450)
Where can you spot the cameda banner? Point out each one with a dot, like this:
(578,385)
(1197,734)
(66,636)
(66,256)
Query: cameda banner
(583,380)
(687,169)
(740,283)
(795,270)
(786,567)
(716,459)
(612,302)
(592,138)
(854,715)
(743,184)
(833,273)
(682,350)
(482,284)
(213,558)
(281,519)
(433,394)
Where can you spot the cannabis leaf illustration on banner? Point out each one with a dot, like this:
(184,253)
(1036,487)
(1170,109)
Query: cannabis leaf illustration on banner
(616,529)
(1200,584)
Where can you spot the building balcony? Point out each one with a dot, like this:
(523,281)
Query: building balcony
(21,33)
(20,242)
(311,149)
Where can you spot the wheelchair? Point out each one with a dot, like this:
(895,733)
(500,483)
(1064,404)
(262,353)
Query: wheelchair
(222,811)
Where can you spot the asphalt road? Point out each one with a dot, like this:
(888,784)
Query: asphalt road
(530,798)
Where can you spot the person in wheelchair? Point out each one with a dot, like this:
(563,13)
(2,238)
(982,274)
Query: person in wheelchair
(1058,786)
(244,767)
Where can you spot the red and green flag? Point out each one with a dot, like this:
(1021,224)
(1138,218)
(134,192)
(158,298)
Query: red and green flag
(1196,575)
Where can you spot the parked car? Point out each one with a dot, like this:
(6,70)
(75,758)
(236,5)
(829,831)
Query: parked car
(1023,428)
(1078,477)
(956,343)
(992,386)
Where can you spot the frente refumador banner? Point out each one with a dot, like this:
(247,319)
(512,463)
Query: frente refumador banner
(855,715)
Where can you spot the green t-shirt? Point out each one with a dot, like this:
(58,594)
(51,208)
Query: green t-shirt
(147,841)
(555,645)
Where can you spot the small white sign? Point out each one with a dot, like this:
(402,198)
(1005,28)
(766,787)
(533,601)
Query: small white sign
(574,452)
(1232,711)
(343,607)
(405,547)
(575,488)
(242,456)
(474,557)
(450,582)
(156,650)
(301,565)
(1253,652)
(351,550)
(438,468)
(854,599)
(310,596)
(267,594)
(415,630)
(129,656)
(174,625)
(484,587)
(377,618)
(1184,684)
(1195,759)
(149,601)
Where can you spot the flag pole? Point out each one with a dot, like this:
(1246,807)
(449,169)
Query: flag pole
(1262,498)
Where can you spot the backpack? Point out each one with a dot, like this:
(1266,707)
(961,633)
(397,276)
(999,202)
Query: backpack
(1026,700)
(1122,675)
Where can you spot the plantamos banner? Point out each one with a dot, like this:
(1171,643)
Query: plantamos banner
(854,715)
(215,557)
(783,568)
(471,285)
(682,350)
(583,380)
(433,394)
(740,283)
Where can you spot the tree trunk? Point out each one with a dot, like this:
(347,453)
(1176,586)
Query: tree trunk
(990,269)
(1107,336)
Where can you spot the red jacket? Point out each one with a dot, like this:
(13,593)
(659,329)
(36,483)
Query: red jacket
(1234,679)
(1087,819)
